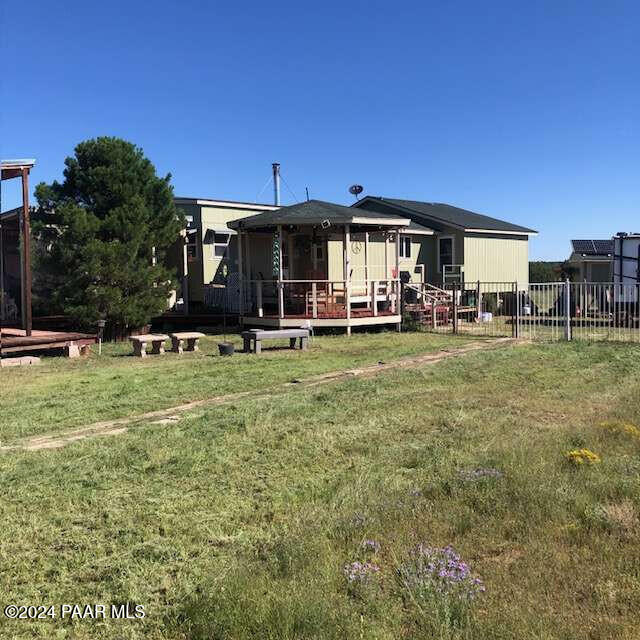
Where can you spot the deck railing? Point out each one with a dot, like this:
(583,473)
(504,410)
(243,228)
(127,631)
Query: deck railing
(320,298)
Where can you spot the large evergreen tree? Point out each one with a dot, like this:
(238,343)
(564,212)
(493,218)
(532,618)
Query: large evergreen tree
(105,230)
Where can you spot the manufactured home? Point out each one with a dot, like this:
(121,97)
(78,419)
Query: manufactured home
(207,255)
(340,266)
(464,246)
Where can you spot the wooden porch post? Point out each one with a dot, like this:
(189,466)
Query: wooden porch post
(185,274)
(259,298)
(346,245)
(386,256)
(366,256)
(26,255)
(280,285)
(240,275)
(395,285)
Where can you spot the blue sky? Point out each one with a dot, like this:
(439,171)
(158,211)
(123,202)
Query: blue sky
(528,111)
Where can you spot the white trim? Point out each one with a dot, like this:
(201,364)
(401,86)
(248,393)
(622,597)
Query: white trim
(403,247)
(399,222)
(453,250)
(417,232)
(499,232)
(227,204)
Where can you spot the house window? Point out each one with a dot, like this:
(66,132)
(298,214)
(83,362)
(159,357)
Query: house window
(219,241)
(445,252)
(319,252)
(405,247)
(220,244)
(192,245)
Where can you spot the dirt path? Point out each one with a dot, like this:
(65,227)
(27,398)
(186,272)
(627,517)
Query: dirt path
(172,414)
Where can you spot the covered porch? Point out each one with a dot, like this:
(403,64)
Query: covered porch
(320,264)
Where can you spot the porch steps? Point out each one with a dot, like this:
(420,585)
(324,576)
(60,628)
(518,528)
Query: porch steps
(422,314)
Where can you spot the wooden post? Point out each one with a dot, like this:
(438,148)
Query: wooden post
(185,274)
(366,256)
(280,283)
(314,299)
(386,256)
(374,300)
(26,255)
(240,276)
(247,251)
(259,298)
(346,246)
(395,288)
(478,303)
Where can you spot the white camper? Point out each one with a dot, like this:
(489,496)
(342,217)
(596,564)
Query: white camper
(626,268)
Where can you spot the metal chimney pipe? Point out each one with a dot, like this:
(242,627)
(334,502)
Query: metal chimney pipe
(276,183)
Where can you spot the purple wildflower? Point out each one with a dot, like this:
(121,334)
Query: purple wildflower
(371,545)
(360,572)
(430,569)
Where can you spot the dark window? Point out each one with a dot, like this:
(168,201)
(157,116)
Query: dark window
(445,254)
(192,246)
(405,247)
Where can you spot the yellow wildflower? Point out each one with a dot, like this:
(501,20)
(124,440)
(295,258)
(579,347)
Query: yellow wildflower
(582,456)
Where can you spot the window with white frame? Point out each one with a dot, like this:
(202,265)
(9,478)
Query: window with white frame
(220,244)
(219,241)
(405,247)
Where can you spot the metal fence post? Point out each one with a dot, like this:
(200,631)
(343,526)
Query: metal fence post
(455,307)
(567,309)
(515,312)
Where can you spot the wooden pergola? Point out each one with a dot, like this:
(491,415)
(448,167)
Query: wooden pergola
(19,217)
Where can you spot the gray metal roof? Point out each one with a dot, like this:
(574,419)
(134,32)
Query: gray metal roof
(317,212)
(447,214)
(593,247)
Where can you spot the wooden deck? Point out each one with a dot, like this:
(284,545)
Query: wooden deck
(16,340)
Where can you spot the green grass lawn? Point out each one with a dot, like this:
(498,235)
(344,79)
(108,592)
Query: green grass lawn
(61,393)
(237,521)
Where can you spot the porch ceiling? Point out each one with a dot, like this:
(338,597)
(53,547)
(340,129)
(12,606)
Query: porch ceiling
(319,213)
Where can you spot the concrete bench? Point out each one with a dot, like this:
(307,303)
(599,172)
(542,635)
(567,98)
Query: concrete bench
(258,335)
(140,343)
(191,337)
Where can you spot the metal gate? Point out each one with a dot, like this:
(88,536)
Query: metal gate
(589,311)
(549,311)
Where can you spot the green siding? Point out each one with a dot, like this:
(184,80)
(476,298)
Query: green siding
(491,258)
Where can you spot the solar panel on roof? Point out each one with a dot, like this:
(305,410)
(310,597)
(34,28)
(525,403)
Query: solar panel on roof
(583,246)
(603,246)
(592,247)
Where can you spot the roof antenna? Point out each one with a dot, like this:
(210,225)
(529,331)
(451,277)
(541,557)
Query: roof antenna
(355,190)
(276,183)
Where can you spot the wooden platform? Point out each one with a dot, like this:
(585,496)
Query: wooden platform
(16,340)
